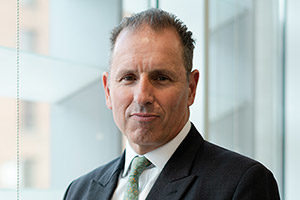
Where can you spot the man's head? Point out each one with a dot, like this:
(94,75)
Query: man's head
(159,20)
(148,87)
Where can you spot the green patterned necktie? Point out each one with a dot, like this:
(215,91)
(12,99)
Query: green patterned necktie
(138,165)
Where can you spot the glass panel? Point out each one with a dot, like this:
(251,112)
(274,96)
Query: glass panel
(8,142)
(292,100)
(134,6)
(66,129)
(245,79)
(231,75)
(7,103)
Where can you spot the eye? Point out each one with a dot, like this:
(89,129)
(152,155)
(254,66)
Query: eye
(162,78)
(128,78)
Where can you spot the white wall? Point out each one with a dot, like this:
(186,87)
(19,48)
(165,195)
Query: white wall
(292,100)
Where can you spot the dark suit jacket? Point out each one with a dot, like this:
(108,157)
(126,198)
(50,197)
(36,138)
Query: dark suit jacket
(197,170)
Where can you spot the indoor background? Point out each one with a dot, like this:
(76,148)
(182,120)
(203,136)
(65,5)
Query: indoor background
(247,99)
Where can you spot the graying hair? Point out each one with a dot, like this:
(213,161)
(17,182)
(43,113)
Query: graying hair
(158,20)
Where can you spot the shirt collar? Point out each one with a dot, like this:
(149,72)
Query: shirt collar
(160,156)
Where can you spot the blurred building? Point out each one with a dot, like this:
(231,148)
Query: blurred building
(34,116)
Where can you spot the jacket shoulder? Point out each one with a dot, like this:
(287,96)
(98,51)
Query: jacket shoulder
(213,156)
(234,175)
(222,162)
(78,188)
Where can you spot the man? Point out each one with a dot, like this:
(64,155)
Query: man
(149,88)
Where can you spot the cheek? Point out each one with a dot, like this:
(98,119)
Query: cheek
(176,101)
(120,99)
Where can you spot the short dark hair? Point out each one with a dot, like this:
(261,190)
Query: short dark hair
(158,20)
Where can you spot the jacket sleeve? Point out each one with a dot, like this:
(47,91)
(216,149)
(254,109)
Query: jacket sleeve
(257,183)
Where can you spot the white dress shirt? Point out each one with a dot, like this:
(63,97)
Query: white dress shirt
(158,157)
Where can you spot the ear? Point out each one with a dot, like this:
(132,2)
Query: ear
(105,81)
(193,82)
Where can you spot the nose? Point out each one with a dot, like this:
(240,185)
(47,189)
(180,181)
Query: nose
(143,94)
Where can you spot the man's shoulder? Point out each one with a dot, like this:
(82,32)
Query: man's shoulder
(215,159)
(97,173)
(227,165)
(80,186)
(224,155)
(221,173)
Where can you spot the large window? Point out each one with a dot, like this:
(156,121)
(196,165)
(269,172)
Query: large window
(245,79)
(65,128)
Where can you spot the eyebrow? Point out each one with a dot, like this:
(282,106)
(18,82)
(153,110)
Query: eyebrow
(170,73)
(151,72)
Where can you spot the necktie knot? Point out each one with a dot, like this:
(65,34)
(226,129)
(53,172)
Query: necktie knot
(138,165)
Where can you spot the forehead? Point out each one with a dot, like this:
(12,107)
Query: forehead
(146,31)
(145,44)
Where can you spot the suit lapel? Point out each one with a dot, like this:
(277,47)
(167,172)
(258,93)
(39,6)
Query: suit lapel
(170,190)
(103,187)
(176,176)
(99,191)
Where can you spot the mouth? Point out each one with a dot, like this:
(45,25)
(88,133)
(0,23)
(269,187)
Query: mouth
(144,117)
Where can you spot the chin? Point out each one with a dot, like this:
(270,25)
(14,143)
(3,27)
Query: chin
(141,137)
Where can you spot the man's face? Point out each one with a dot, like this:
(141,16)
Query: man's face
(148,90)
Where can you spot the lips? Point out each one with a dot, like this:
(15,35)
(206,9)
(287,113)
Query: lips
(144,117)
